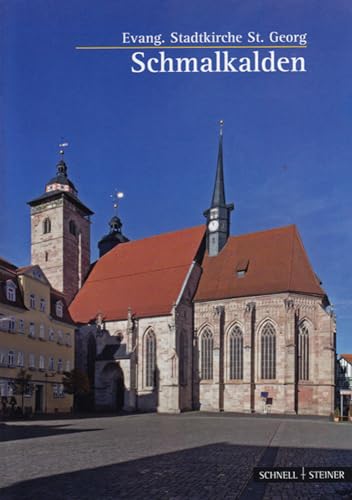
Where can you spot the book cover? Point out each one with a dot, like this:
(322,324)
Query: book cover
(145,104)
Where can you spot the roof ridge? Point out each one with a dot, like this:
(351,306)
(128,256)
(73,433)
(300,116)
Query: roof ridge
(138,274)
(131,242)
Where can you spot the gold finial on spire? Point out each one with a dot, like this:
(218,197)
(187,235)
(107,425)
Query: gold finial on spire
(62,147)
(118,195)
(221,126)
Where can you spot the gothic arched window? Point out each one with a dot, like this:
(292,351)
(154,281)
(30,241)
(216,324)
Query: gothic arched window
(46,226)
(72,227)
(268,351)
(303,352)
(206,347)
(236,354)
(150,358)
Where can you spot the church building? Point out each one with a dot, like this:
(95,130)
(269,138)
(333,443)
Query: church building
(191,319)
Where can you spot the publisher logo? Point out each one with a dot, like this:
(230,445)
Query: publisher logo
(303,474)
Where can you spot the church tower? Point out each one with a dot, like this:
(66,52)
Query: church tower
(60,233)
(218,215)
(113,238)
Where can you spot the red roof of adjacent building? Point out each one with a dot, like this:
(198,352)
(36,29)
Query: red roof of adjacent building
(347,357)
(146,275)
(259,263)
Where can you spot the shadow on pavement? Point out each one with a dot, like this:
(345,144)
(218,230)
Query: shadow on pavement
(215,471)
(16,432)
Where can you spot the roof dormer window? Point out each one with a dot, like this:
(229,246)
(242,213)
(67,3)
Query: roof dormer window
(59,309)
(242,268)
(10,291)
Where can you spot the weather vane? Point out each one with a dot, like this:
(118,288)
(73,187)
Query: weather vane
(118,195)
(221,126)
(62,147)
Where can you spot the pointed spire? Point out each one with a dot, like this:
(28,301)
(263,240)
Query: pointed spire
(218,199)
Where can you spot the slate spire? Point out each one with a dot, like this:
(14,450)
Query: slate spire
(218,215)
(218,199)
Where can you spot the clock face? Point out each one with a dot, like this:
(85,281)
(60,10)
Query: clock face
(213,225)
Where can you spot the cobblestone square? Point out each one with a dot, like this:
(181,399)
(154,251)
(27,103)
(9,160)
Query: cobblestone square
(150,456)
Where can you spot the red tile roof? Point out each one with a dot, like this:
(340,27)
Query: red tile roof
(146,275)
(277,262)
(347,357)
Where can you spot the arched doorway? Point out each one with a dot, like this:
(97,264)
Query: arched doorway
(113,380)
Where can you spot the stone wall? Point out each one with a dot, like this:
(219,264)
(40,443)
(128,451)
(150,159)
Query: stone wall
(63,257)
(285,312)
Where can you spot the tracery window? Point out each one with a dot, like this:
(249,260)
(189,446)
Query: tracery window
(150,358)
(46,226)
(236,354)
(303,352)
(268,352)
(206,347)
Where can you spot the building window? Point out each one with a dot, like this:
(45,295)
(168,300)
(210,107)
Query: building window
(12,324)
(42,332)
(268,352)
(46,256)
(41,362)
(31,360)
(206,346)
(236,354)
(32,301)
(11,291)
(11,358)
(303,352)
(72,227)
(20,359)
(59,365)
(2,358)
(21,326)
(59,308)
(58,391)
(68,339)
(51,335)
(46,226)
(68,366)
(60,337)
(32,330)
(150,359)
(42,305)
(51,364)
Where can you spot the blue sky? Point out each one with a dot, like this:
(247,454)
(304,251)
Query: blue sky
(287,137)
